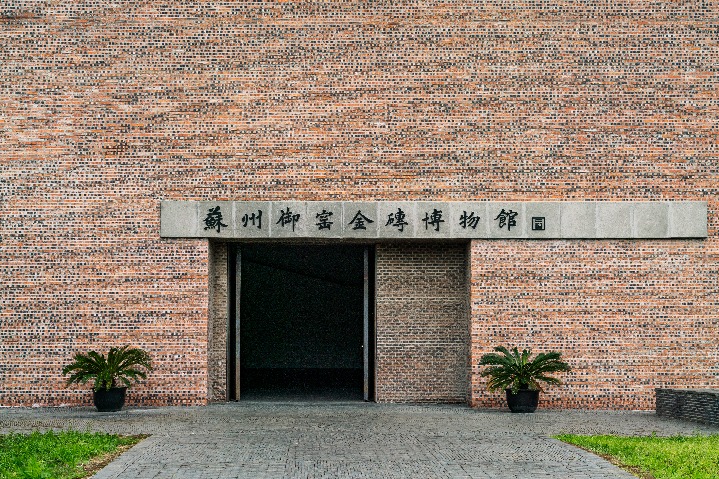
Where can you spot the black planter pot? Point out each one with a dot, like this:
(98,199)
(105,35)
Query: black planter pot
(525,400)
(109,400)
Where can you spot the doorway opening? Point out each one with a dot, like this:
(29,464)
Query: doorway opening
(301,322)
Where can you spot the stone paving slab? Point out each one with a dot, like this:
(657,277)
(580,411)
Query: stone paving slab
(258,440)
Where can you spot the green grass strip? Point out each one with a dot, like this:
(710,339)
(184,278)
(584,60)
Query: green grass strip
(676,457)
(54,455)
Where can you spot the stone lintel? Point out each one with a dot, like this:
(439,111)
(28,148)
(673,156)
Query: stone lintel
(441,220)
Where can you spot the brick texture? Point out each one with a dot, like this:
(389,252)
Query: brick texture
(422,323)
(107,108)
(629,316)
(699,405)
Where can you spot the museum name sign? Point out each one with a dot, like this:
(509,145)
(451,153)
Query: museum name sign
(433,220)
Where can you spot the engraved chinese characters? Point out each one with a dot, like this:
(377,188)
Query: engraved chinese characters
(433,220)
(359,221)
(397,220)
(213,220)
(348,219)
(288,217)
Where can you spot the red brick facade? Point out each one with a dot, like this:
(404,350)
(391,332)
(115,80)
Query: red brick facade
(628,315)
(108,108)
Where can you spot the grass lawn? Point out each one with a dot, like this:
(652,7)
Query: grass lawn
(677,457)
(58,455)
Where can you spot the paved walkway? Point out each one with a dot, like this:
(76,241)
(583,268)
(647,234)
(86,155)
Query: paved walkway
(258,440)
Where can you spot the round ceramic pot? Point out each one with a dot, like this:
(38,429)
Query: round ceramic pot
(525,400)
(109,400)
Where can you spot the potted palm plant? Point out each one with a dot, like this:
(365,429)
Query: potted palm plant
(112,375)
(520,375)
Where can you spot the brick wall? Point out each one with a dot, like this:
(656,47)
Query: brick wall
(629,316)
(106,108)
(700,405)
(86,291)
(421,323)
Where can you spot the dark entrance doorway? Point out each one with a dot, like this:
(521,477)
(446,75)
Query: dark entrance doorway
(303,322)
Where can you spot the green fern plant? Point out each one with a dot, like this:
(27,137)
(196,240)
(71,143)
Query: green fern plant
(121,366)
(514,370)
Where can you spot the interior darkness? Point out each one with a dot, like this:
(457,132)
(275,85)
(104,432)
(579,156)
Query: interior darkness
(301,322)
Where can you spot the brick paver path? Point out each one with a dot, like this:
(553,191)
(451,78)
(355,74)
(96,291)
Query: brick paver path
(350,440)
